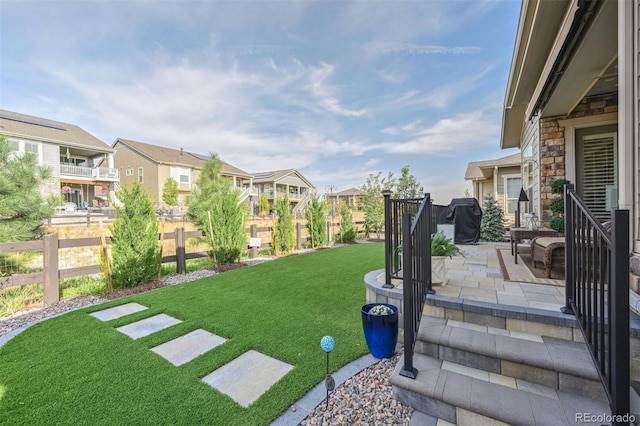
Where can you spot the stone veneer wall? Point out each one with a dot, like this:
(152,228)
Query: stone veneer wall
(552,145)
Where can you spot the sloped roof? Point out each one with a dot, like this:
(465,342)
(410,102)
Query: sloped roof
(349,192)
(45,130)
(276,175)
(475,168)
(171,156)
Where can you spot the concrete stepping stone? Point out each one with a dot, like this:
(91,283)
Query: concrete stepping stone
(118,311)
(185,348)
(148,326)
(247,377)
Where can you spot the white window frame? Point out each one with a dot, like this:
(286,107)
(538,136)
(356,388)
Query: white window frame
(22,148)
(506,199)
(177,173)
(128,172)
(141,174)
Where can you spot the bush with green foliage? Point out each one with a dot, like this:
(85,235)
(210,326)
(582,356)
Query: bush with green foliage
(170,192)
(134,245)
(316,222)
(348,232)
(284,232)
(556,205)
(374,201)
(23,209)
(216,210)
(263,206)
(492,225)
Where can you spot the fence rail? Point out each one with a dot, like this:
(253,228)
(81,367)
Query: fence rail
(51,272)
(597,292)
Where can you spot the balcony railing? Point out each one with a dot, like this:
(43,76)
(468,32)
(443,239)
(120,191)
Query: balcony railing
(90,173)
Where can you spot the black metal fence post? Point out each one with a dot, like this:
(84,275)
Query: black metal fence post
(408,369)
(181,260)
(569,233)
(619,313)
(387,239)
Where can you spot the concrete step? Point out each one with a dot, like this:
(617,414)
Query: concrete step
(465,396)
(554,363)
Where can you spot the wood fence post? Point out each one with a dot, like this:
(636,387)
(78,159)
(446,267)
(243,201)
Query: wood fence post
(253,229)
(298,236)
(88,218)
(50,269)
(329,232)
(181,261)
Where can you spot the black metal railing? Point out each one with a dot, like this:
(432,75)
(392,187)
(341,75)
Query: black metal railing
(394,209)
(597,292)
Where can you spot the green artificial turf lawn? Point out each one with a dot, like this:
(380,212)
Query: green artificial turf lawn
(75,369)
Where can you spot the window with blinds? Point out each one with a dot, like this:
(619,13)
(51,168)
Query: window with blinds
(597,170)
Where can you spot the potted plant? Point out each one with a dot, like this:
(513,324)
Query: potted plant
(441,248)
(380,326)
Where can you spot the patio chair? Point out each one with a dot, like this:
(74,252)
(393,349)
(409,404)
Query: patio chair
(549,251)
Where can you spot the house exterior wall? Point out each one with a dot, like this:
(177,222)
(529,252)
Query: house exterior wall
(554,160)
(531,163)
(127,159)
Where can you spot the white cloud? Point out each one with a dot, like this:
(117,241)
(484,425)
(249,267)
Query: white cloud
(463,132)
(326,94)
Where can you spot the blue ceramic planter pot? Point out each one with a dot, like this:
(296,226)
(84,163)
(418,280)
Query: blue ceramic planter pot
(380,331)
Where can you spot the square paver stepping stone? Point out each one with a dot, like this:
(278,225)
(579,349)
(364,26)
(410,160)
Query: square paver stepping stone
(118,311)
(247,377)
(185,348)
(148,326)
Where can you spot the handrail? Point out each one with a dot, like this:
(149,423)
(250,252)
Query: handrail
(416,277)
(597,292)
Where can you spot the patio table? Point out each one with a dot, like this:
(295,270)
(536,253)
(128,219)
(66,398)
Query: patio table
(517,234)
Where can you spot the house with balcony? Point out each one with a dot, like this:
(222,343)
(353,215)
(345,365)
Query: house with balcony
(501,178)
(352,198)
(151,166)
(278,183)
(83,171)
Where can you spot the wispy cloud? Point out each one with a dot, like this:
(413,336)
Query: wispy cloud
(326,93)
(463,132)
(413,49)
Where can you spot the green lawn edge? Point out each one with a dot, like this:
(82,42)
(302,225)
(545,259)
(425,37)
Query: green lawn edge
(75,369)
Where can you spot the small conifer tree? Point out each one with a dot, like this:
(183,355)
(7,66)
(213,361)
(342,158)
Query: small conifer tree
(23,209)
(284,232)
(263,206)
(316,222)
(170,192)
(492,226)
(348,232)
(134,248)
(216,209)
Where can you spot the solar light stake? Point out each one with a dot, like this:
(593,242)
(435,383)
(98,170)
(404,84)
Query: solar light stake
(327,344)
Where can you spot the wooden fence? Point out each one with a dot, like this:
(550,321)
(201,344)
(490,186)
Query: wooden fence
(51,272)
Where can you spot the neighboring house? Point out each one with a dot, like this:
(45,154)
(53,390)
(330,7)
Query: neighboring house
(352,197)
(278,183)
(72,153)
(152,165)
(500,178)
(571,105)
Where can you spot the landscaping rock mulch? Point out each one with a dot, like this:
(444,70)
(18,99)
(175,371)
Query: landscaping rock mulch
(20,319)
(364,399)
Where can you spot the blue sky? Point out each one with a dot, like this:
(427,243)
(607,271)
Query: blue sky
(335,89)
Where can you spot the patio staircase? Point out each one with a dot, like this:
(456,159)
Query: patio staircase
(480,363)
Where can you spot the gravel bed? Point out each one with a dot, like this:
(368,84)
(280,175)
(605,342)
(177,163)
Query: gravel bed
(364,399)
(19,319)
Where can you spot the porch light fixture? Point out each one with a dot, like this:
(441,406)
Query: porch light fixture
(522,198)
